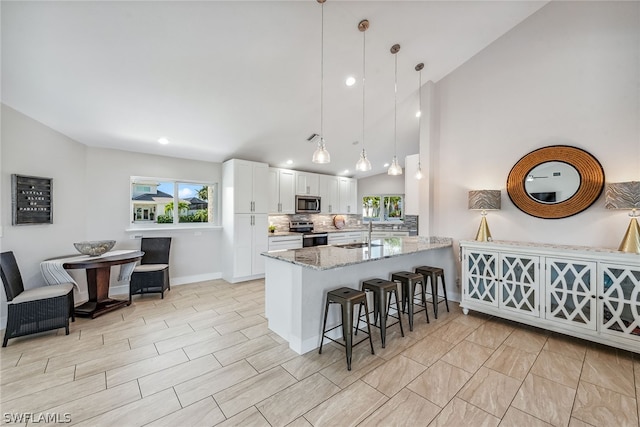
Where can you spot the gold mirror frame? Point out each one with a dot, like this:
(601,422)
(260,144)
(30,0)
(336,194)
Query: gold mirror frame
(591,181)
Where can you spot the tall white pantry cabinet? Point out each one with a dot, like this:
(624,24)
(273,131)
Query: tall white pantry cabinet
(589,293)
(244,219)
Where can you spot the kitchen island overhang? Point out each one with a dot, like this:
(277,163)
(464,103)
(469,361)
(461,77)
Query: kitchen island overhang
(296,281)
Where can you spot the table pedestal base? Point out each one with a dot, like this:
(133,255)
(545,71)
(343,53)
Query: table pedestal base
(94,309)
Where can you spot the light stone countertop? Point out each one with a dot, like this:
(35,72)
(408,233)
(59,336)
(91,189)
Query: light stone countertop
(328,257)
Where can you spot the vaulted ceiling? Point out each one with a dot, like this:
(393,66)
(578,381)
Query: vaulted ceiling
(224,79)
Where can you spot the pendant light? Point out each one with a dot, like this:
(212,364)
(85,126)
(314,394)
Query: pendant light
(395,168)
(419,68)
(363,163)
(321,155)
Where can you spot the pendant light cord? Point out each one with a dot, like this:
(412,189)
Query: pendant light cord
(395,109)
(322,75)
(364,43)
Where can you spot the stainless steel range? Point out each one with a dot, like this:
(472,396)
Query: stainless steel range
(309,237)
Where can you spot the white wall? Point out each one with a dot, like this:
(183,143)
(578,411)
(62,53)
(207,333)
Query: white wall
(569,74)
(379,184)
(91,193)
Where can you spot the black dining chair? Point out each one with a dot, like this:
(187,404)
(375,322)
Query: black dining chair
(152,274)
(33,310)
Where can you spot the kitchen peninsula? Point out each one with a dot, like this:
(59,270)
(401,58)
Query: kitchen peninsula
(297,280)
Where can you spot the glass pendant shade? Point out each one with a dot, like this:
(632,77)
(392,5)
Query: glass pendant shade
(395,168)
(321,155)
(418,174)
(363,163)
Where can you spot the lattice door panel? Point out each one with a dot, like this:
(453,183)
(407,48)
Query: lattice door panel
(482,277)
(620,300)
(570,292)
(520,283)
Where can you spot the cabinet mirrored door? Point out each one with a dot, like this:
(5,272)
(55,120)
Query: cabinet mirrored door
(619,300)
(570,292)
(519,284)
(482,277)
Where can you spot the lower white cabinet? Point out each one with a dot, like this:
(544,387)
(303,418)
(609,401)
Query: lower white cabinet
(384,234)
(279,243)
(250,239)
(592,294)
(344,237)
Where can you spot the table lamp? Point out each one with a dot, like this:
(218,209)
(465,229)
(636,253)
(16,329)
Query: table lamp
(626,195)
(484,200)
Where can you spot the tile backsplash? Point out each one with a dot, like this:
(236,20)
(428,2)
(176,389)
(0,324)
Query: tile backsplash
(325,222)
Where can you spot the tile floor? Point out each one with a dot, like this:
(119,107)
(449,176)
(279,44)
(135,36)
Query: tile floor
(204,356)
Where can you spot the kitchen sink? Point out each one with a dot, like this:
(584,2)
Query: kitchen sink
(356,245)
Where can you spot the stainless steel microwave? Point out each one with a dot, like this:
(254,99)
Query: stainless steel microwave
(307,204)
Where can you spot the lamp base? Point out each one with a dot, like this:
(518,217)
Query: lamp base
(484,235)
(631,240)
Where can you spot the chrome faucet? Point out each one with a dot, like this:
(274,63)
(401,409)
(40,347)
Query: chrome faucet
(370,227)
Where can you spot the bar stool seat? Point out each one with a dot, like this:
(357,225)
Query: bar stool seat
(409,282)
(431,275)
(347,298)
(382,291)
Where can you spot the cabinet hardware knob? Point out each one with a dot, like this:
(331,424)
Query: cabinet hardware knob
(600,297)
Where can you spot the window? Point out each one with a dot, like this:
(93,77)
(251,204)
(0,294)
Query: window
(382,208)
(157,201)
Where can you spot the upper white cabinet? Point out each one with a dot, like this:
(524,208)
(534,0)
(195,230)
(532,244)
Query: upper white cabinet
(281,191)
(307,183)
(248,185)
(593,293)
(348,196)
(329,194)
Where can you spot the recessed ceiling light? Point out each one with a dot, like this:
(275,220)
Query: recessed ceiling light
(289,162)
(346,171)
(386,165)
(350,81)
(163,141)
(418,113)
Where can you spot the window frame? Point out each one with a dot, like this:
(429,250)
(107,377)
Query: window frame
(381,214)
(214,205)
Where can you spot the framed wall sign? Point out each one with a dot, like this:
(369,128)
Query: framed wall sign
(31,200)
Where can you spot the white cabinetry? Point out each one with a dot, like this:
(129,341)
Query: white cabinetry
(592,294)
(348,196)
(384,234)
(244,219)
(278,243)
(281,191)
(307,183)
(344,237)
(329,194)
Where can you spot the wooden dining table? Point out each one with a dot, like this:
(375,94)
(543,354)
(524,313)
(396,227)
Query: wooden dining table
(98,276)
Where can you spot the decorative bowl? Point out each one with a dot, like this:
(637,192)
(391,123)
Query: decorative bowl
(95,248)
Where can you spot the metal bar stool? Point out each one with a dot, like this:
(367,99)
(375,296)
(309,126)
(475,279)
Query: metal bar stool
(431,274)
(347,298)
(409,282)
(382,290)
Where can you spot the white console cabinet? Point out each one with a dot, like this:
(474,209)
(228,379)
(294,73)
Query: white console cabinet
(589,293)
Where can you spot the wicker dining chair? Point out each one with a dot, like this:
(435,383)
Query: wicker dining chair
(33,310)
(152,274)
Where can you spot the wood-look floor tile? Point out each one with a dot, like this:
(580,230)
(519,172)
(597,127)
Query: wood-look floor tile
(242,395)
(185,340)
(195,316)
(142,330)
(204,413)
(490,335)
(545,399)
(490,391)
(139,412)
(348,407)
(159,335)
(362,362)
(70,359)
(453,332)
(600,406)
(98,403)
(30,355)
(300,422)
(574,422)
(395,343)
(404,409)
(23,371)
(516,418)
(529,340)
(176,315)
(460,413)
(428,350)
(511,361)
(556,367)
(309,363)
(272,357)
(212,382)
(285,406)
(54,396)
(50,340)
(144,367)
(250,417)
(36,383)
(256,330)
(102,364)
(177,374)
(474,319)
(567,346)
(468,356)
(9,360)
(392,376)
(111,328)
(217,343)
(245,349)
(607,369)
(258,309)
(211,321)
(239,324)
(440,382)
